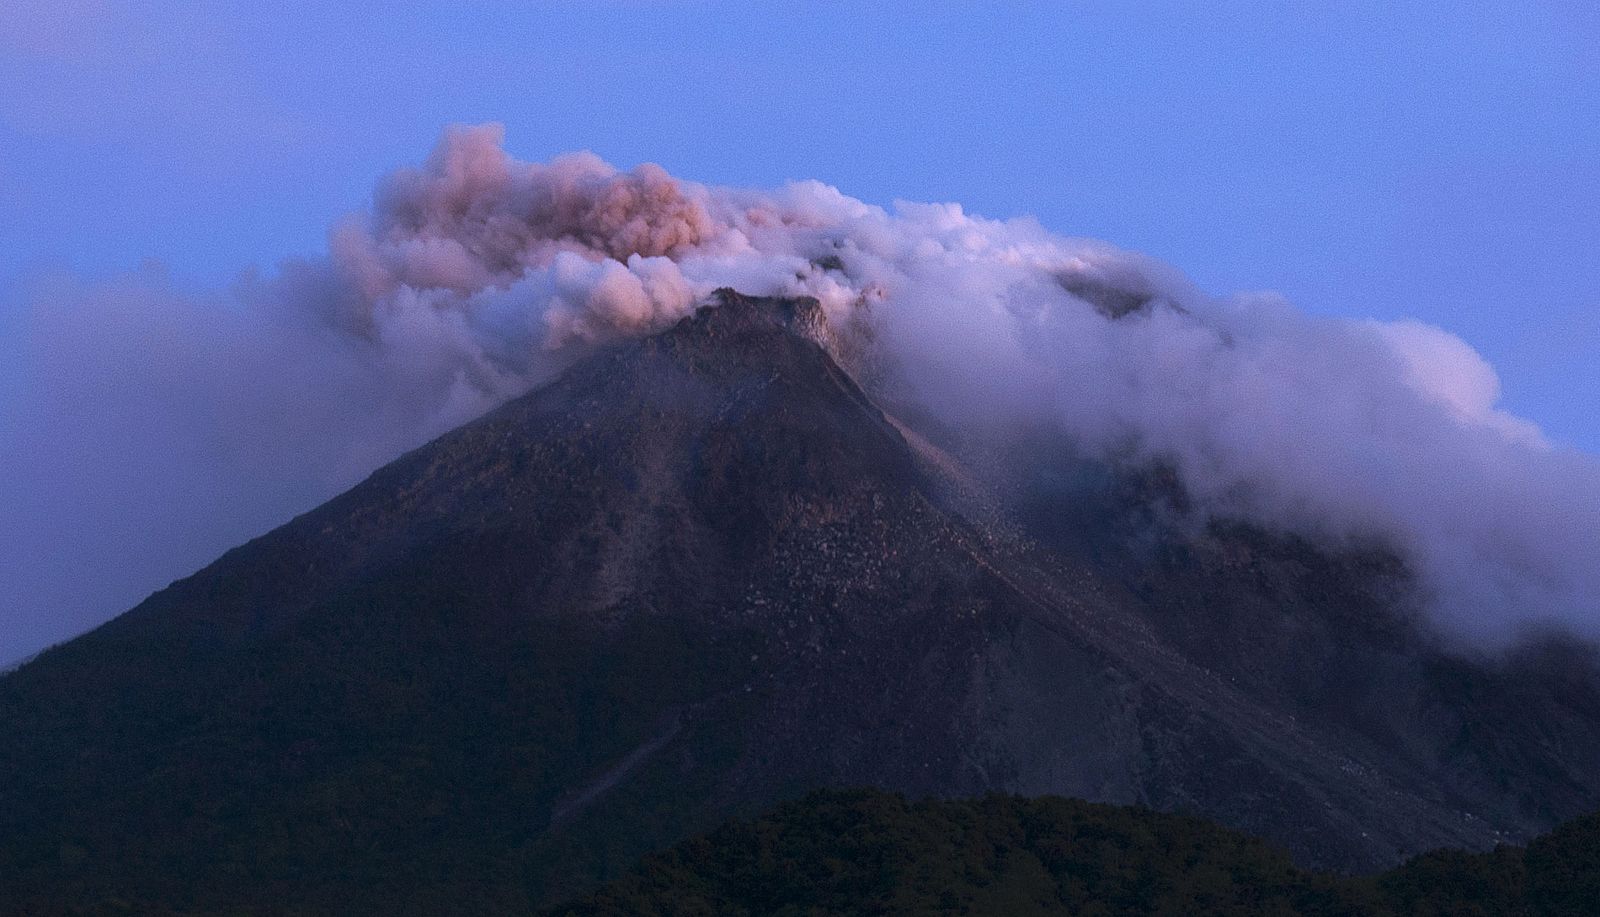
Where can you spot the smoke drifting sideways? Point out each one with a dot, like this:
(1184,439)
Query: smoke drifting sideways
(152,427)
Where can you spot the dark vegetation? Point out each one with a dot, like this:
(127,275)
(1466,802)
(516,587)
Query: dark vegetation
(868,852)
(847,852)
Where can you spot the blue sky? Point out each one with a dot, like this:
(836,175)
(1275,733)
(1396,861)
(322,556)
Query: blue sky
(1439,161)
(1434,160)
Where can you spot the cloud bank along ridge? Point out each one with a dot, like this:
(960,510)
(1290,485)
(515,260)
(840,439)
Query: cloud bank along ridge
(477,276)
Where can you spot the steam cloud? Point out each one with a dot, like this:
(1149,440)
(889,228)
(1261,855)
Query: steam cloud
(162,427)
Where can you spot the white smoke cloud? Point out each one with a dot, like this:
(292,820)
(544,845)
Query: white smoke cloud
(478,276)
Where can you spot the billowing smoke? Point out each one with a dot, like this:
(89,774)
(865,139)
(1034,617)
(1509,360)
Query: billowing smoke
(159,427)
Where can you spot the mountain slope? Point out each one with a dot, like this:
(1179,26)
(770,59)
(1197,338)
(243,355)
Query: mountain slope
(699,572)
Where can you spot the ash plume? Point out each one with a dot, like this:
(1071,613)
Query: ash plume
(198,420)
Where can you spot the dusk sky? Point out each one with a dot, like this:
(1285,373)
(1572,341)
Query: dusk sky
(1438,161)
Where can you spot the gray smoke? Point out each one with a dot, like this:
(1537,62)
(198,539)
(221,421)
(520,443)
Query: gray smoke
(157,428)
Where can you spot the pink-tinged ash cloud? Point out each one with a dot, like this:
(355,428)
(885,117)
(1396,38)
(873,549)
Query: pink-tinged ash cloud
(474,217)
(200,420)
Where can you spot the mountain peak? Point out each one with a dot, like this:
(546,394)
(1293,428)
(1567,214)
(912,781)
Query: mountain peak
(729,311)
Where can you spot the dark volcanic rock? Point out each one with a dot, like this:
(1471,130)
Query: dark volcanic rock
(700,572)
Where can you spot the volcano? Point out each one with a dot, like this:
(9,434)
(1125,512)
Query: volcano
(703,571)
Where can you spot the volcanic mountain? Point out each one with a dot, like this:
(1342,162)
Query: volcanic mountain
(703,571)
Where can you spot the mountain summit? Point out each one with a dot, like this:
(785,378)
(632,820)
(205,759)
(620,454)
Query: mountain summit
(702,571)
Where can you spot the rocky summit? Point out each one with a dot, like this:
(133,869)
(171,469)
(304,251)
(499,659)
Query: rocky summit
(702,572)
